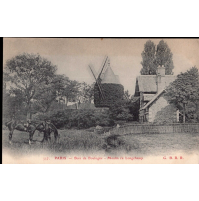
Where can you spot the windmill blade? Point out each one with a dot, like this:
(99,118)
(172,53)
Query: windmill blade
(98,84)
(103,65)
(92,71)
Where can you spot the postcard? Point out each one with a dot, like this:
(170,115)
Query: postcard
(100,101)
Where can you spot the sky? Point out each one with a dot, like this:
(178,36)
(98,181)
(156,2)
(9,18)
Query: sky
(72,56)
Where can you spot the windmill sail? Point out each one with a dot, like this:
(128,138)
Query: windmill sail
(98,83)
(103,66)
(107,89)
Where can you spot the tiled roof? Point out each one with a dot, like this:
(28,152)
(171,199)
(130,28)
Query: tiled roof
(148,97)
(153,99)
(147,83)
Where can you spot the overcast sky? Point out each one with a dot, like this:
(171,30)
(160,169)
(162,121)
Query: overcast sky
(72,56)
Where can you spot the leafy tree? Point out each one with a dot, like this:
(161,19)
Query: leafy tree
(191,112)
(86,92)
(152,57)
(71,90)
(164,57)
(47,93)
(127,95)
(148,59)
(184,89)
(27,72)
(120,110)
(13,104)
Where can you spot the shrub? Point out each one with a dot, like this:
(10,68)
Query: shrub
(120,111)
(77,118)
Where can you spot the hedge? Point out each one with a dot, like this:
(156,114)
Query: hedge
(77,118)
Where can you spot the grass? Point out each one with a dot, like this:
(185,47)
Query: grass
(83,142)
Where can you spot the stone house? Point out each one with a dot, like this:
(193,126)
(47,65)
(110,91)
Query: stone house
(154,106)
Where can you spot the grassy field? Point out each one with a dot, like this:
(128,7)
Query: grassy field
(82,142)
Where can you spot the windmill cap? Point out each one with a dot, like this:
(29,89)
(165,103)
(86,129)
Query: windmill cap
(110,77)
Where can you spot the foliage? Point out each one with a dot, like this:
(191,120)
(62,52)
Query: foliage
(152,58)
(112,93)
(46,94)
(77,118)
(27,72)
(86,93)
(34,87)
(71,91)
(184,89)
(120,111)
(191,113)
(13,104)
(164,57)
(127,95)
(148,59)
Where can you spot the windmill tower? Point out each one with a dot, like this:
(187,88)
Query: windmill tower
(107,89)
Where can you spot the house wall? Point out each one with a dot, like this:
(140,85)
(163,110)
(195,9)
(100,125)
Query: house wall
(141,99)
(141,116)
(162,112)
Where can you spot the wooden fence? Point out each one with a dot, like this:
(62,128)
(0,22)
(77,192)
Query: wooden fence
(156,129)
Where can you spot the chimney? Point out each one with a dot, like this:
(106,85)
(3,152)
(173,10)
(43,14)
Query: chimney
(160,81)
(161,70)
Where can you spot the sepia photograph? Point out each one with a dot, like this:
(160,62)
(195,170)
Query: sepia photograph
(100,101)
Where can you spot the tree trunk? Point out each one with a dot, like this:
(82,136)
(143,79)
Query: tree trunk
(183,112)
(29,115)
(197,111)
(66,99)
(48,108)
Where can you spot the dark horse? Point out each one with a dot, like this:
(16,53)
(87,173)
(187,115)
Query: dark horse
(45,127)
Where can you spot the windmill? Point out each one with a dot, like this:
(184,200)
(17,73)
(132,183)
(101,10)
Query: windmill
(107,88)
(98,79)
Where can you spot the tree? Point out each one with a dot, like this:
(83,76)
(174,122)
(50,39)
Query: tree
(184,89)
(47,93)
(191,112)
(164,57)
(27,72)
(86,92)
(152,58)
(120,110)
(71,90)
(127,95)
(148,59)
(13,104)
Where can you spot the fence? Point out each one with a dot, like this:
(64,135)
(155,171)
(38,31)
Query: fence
(156,129)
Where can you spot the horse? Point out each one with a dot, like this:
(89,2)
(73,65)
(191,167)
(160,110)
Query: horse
(47,128)
(16,125)
(12,125)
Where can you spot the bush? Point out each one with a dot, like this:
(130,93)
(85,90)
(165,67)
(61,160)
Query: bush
(77,118)
(120,111)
